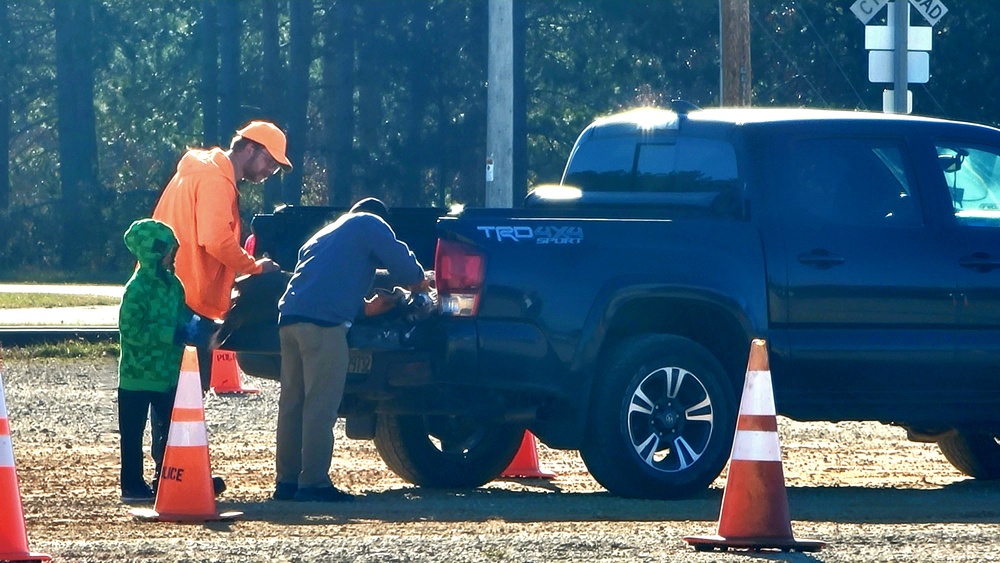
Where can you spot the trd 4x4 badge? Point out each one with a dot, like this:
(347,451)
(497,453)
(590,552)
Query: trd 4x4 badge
(540,235)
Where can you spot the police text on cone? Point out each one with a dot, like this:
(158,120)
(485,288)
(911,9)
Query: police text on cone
(226,377)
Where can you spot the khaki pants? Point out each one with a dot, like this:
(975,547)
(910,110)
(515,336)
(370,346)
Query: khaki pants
(313,371)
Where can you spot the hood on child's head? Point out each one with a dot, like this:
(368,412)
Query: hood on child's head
(150,240)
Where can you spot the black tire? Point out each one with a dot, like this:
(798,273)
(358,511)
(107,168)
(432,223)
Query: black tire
(647,442)
(445,451)
(977,454)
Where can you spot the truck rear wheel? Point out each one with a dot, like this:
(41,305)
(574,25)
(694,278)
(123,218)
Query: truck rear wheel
(977,454)
(445,451)
(662,419)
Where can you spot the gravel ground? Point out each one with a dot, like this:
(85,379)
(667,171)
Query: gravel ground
(861,487)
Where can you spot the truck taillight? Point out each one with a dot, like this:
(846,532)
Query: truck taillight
(458,276)
(250,244)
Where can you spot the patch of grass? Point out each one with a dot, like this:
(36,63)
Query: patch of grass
(48,300)
(66,349)
(27,274)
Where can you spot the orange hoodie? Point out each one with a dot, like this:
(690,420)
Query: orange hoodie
(201,205)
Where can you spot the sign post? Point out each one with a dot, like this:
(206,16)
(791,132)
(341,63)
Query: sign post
(901,52)
(901,57)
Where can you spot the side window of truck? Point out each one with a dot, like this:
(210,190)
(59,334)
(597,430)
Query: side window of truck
(849,181)
(973,177)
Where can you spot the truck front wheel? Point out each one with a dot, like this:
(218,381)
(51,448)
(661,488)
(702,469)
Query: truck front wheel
(662,419)
(975,453)
(445,451)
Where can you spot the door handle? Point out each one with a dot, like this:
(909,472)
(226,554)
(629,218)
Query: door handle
(821,258)
(979,261)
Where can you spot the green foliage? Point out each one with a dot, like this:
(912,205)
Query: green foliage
(419,93)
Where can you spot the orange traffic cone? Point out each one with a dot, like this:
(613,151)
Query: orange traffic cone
(755,504)
(525,462)
(185,492)
(226,374)
(13,535)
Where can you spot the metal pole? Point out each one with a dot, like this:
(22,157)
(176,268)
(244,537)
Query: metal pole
(901,31)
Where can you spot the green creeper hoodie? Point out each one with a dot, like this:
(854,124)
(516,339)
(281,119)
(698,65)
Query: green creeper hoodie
(152,310)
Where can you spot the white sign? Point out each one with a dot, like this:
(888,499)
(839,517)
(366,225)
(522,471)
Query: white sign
(865,10)
(880,66)
(932,10)
(889,101)
(880,38)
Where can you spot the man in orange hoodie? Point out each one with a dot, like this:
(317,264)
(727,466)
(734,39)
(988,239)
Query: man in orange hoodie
(201,205)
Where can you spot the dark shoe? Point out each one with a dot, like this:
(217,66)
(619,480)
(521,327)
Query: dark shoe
(218,485)
(138,495)
(285,491)
(322,494)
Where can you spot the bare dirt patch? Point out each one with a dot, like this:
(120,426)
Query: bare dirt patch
(859,486)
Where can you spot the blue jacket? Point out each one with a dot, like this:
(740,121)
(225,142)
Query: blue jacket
(336,268)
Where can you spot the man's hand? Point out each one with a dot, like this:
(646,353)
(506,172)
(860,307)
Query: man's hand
(424,286)
(267,265)
(379,303)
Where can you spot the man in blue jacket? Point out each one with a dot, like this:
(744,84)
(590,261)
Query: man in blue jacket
(334,273)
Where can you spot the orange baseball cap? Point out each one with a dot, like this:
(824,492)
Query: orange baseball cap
(273,139)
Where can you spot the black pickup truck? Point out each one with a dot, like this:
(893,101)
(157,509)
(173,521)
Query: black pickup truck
(613,313)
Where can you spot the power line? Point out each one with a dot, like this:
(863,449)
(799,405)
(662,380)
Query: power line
(944,113)
(788,58)
(830,53)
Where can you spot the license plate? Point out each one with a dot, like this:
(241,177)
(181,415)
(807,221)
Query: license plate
(360,362)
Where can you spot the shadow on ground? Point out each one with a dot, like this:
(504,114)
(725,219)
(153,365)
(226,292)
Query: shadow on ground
(967,501)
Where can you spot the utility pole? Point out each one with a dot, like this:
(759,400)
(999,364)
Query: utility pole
(506,143)
(734,45)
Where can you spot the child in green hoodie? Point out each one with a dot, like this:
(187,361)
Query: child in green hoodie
(151,324)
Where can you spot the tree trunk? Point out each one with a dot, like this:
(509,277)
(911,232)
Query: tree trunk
(338,76)
(209,38)
(230,116)
(6,69)
(300,57)
(273,89)
(471,186)
(412,157)
(369,95)
(77,129)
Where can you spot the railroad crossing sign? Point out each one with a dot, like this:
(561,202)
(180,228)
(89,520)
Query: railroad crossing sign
(932,10)
(883,46)
(865,10)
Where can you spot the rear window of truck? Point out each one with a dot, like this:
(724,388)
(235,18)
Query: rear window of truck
(687,171)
